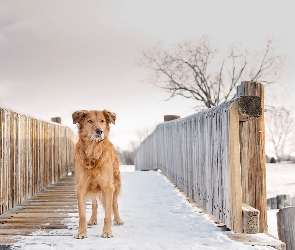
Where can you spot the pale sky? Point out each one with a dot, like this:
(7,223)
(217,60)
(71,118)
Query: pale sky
(59,56)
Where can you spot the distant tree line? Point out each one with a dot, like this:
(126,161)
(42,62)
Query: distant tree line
(286,158)
(126,156)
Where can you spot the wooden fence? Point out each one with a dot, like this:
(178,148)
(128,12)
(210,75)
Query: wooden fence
(280,201)
(202,154)
(33,154)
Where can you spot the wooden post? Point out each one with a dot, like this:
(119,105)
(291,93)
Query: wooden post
(235,169)
(56,119)
(1,160)
(252,139)
(250,220)
(283,200)
(274,203)
(268,203)
(286,226)
(170,117)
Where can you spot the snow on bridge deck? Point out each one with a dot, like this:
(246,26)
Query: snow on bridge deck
(156,215)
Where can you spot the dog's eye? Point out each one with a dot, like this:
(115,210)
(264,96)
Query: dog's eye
(90,121)
(102,121)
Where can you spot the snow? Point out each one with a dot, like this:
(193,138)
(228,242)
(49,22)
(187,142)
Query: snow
(156,215)
(272,222)
(280,179)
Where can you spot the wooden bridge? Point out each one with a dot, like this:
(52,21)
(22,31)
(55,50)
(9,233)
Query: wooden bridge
(38,195)
(163,218)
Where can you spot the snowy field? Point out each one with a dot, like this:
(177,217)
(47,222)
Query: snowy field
(156,216)
(280,179)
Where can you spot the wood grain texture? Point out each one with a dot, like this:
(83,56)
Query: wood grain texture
(286,226)
(193,153)
(250,219)
(27,162)
(45,211)
(235,168)
(252,134)
(203,153)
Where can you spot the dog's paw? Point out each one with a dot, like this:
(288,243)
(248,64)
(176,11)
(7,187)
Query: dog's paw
(92,222)
(118,222)
(106,234)
(81,235)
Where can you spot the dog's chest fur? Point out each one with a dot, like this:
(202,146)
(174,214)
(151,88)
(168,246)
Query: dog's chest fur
(92,153)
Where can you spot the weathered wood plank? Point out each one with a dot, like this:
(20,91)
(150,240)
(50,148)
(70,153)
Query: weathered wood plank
(235,168)
(252,135)
(286,226)
(250,219)
(24,220)
(1,159)
(31,216)
(259,240)
(27,157)
(7,241)
(34,226)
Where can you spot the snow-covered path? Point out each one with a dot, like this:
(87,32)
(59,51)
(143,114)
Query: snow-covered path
(156,216)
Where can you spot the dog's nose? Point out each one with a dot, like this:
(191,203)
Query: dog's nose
(98,131)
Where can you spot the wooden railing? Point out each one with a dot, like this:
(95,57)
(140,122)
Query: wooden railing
(33,155)
(205,155)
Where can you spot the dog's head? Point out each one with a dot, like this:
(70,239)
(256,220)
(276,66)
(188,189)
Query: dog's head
(93,124)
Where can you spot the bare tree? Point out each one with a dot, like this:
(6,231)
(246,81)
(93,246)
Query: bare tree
(198,71)
(279,128)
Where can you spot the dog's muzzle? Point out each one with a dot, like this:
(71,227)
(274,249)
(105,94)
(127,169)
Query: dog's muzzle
(98,135)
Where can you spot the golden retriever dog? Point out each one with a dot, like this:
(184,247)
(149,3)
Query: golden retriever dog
(96,169)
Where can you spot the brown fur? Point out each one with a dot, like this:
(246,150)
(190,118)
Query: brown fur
(96,169)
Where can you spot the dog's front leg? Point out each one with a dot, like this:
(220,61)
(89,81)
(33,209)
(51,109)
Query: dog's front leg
(81,195)
(108,207)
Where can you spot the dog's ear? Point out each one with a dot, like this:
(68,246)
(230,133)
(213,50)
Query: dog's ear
(78,116)
(110,116)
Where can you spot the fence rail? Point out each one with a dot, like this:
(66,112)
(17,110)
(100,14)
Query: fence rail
(201,154)
(33,154)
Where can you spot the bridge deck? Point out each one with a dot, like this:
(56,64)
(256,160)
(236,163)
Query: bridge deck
(156,215)
(44,211)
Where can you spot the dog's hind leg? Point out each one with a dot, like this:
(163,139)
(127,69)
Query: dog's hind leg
(117,219)
(93,219)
